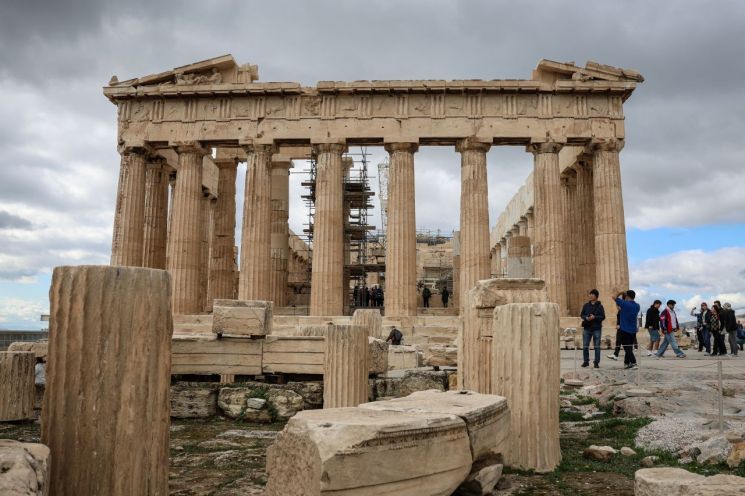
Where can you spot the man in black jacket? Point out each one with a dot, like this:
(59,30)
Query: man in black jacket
(592,316)
(729,324)
(652,323)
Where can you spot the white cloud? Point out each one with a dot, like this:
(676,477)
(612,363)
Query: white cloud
(22,312)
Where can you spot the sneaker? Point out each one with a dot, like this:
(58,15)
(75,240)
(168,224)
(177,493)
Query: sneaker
(585,364)
(631,366)
(682,355)
(650,354)
(707,354)
(612,357)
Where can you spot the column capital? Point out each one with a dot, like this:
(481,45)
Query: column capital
(225,162)
(410,147)
(258,148)
(139,149)
(606,145)
(155,162)
(503,241)
(335,147)
(473,143)
(544,147)
(190,147)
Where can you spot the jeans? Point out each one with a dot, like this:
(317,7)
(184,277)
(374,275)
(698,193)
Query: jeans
(627,341)
(706,340)
(595,335)
(732,342)
(669,340)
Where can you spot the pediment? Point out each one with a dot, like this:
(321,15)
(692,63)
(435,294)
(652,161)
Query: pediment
(217,70)
(550,71)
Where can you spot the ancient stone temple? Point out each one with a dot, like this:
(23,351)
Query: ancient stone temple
(182,133)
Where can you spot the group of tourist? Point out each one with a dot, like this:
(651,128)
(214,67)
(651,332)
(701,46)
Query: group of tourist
(368,297)
(714,323)
(427,295)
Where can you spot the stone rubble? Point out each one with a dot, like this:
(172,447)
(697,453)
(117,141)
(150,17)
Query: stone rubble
(23,469)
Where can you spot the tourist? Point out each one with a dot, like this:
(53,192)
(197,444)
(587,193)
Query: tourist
(628,325)
(592,316)
(652,323)
(740,335)
(356,295)
(372,295)
(380,296)
(717,331)
(703,332)
(426,295)
(40,376)
(445,296)
(395,337)
(617,351)
(730,325)
(365,295)
(668,325)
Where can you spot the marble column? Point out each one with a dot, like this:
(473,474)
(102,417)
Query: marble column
(611,259)
(400,250)
(474,214)
(207,212)
(549,237)
(522,226)
(529,229)
(184,242)
(345,367)
(256,254)
(156,215)
(505,254)
(585,215)
(222,268)
(129,216)
(569,198)
(326,290)
(280,236)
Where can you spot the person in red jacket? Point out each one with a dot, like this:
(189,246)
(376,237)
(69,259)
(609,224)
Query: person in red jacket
(668,326)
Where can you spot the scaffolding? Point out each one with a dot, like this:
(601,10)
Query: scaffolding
(383,194)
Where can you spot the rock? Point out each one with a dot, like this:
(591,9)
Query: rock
(23,468)
(626,451)
(333,450)
(679,482)
(452,382)
(193,400)
(312,393)
(574,383)
(240,433)
(486,416)
(736,455)
(566,404)
(39,348)
(735,437)
(639,393)
(481,481)
(415,380)
(285,403)
(255,403)
(442,356)
(215,444)
(242,318)
(233,403)
(713,451)
(599,453)
(402,357)
(649,461)
(377,355)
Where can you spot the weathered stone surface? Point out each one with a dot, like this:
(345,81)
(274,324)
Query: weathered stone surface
(649,461)
(109,348)
(345,367)
(402,357)
(24,469)
(442,356)
(481,481)
(255,403)
(234,404)
(293,354)
(421,380)
(242,318)
(39,348)
(312,393)
(206,354)
(17,389)
(370,320)
(599,453)
(377,355)
(285,403)
(193,400)
(626,451)
(486,416)
(679,482)
(736,455)
(712,451)
(526,372)
(360,451)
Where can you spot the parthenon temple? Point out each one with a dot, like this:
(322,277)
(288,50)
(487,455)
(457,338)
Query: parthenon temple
(190,127)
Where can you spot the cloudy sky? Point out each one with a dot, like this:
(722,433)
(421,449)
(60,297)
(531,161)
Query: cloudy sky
(683,165)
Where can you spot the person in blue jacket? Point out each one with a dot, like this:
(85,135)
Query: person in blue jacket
(629,309)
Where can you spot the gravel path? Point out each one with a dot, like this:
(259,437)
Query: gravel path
(672,434)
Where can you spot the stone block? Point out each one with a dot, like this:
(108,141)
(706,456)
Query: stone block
(361,451)
(233,402)
(421,380)
(207,355)
(402,357)
(285,403)
(486,416)
(371,320)
(39,348)
(442,356)
(481,481)
(345,368)
(193,400)
(312,393)
(17,390)
(293,355)
(679,482)
(24,468)
(255,403)
(377,356)
(242,317)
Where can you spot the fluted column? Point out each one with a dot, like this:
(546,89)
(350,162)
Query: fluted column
(529,229)
(17,385)
(326,290)
(106,409)
(611,259)
(256,254)
(549,240)
(400,250)
(585,213)
(156,215)
(222,269)
(207,209)
(474,214)
(129,216)
(345,366)
(496,260)
(526,371)
(569,198)
(184,242)
(280,236)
